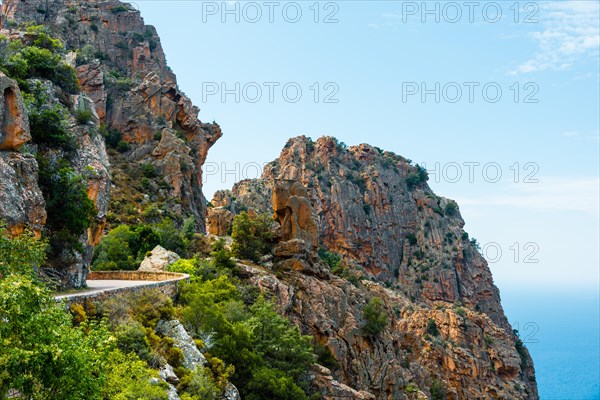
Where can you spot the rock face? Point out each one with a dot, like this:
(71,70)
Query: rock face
(376,210)
(21,201)
(14,124)
(293,211)
(219,221)
(192,357)
(133,100)
(134,92)
(158,260)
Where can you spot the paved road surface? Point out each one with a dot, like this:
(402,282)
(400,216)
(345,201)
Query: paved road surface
(95,287)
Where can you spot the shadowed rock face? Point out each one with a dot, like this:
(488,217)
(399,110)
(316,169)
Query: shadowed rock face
(21,202)
(407,239)
(14,125)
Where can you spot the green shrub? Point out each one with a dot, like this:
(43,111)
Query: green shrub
(199,385)
(149,170)
(331,259)
(451,208)
(437,390)
(21,254)
(83,116)
(412,238)
(432,328)
(375,317)
(251,236)
(112,136)
(325,357)
(47,126)
(69,209)
(131,338)
(122,146)
(119,9)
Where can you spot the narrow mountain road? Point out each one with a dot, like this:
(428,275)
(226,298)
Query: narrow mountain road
(100,286)
(111,283)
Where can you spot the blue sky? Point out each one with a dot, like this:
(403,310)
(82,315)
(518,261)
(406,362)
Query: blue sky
(372,60)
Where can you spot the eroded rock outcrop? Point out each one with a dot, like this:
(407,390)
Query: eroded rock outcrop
(376,210)
(22,204)
(14,124)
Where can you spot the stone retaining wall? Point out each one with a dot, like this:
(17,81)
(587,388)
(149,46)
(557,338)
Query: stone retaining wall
(136,276)
(165,282)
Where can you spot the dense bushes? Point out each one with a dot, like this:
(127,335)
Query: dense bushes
(42,60)
(415,178)
(269,354)
(47,123)
(251,236)
(21,254)
(125,247)
(43,356)
(69,209)
(375,317)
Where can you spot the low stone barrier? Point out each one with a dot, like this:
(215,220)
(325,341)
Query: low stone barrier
(136,276)
(165,282)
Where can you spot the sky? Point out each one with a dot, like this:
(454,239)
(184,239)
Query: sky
(499,100)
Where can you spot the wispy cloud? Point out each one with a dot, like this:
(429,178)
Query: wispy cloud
(570,31)
(582,137)
(550,194)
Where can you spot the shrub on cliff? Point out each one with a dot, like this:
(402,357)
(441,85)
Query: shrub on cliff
(251,236)
(375,317)
(70,211)
(43,356)
(268,352)
(20,255)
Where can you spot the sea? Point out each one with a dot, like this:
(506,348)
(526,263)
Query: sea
(561,329)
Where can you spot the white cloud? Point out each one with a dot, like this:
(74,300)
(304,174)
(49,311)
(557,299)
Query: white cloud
(570,31)
(550,194)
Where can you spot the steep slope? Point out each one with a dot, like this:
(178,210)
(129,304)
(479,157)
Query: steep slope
(376,210)
(137,141)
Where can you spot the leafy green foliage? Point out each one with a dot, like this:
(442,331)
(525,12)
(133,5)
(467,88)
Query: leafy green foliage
(251,236)
(83,116)
(415,178)
(112,136)
(42,60)
(269,353)
(125,247)
(47,123)
(451,208)
(432,328)
(329,258)
(19,255)
(375,317)
(69,209)
(128,378)
(437,390)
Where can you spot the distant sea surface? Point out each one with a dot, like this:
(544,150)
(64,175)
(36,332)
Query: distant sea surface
(562,333)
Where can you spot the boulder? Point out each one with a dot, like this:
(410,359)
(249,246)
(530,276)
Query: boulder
(192,357)
(158,260)
(168,375)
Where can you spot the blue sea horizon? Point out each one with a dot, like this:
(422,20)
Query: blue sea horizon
(562,332)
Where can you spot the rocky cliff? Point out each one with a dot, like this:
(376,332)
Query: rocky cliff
(135,137)
(404,244)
